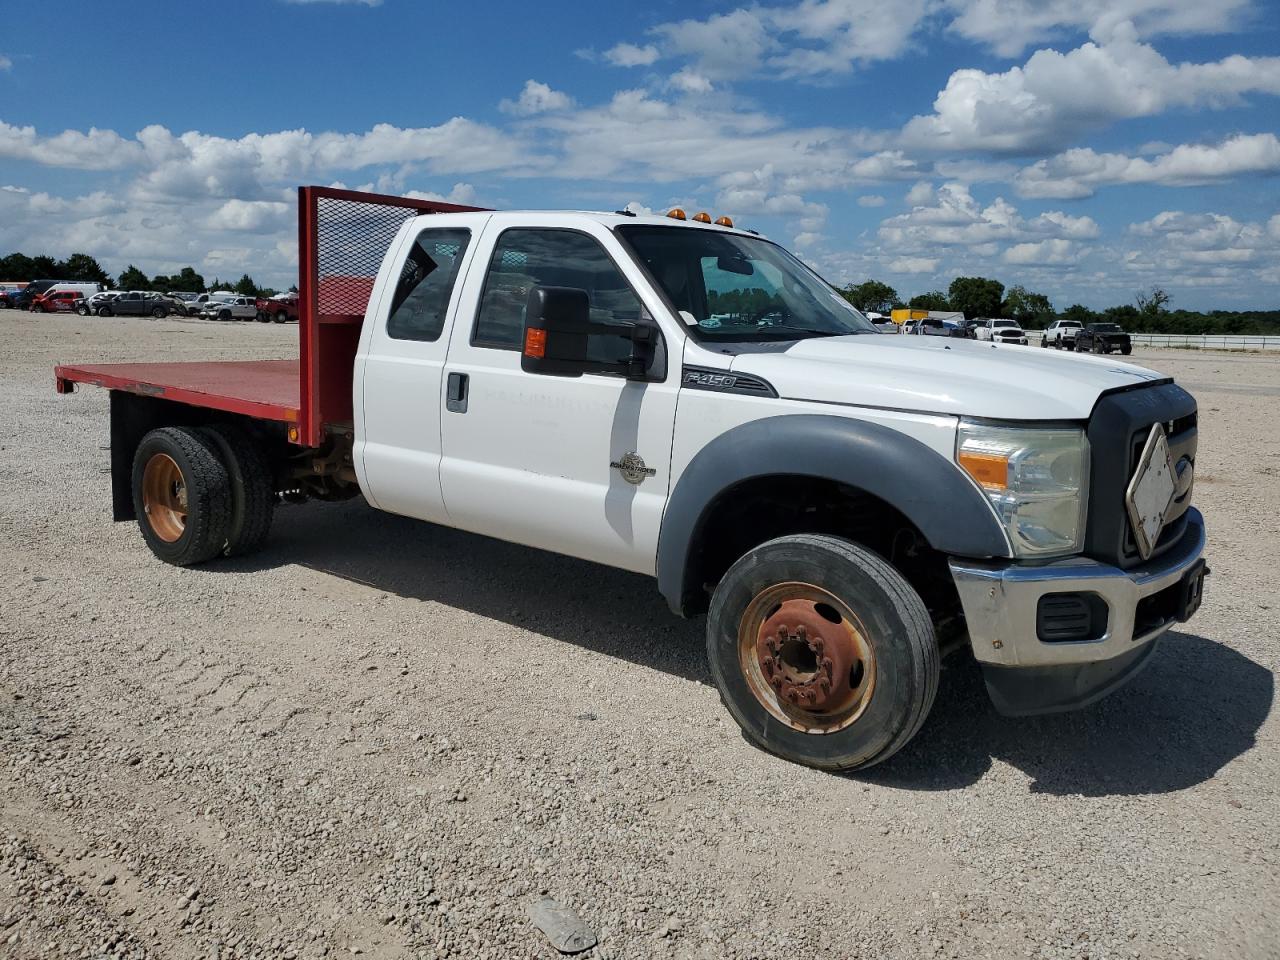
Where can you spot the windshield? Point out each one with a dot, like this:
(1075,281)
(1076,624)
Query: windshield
(1003,323)
(1105,327)
(734,288)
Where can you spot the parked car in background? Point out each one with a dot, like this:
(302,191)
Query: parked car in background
(21,299)
(9,289)
(281,308)
(935,327)
(200,300)
(1103,338)
(89,306)
(232,308)
(970,328)
(136,303)
(178,306)
(57,301)
(1001,331)
(1061,333)
(885,326)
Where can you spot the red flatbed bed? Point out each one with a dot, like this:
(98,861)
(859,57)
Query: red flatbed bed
(264,389)
(342,237)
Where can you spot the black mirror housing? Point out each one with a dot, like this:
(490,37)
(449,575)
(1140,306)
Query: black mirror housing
(557,328)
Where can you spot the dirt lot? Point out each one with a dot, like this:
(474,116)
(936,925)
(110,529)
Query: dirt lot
(385,738)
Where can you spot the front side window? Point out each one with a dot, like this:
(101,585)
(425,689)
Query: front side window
(528,258)
(728,287)
(421,300)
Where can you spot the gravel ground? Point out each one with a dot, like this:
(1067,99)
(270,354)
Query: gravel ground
(386,738)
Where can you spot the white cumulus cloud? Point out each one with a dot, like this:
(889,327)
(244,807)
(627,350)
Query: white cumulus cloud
(1082,171)
(535,98)
(1055,97)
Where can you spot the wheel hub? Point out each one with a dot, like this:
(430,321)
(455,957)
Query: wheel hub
(809,660)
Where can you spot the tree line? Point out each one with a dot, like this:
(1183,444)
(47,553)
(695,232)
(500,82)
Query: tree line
(983,297)
(18,267)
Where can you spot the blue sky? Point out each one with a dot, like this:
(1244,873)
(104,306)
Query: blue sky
(1087,149)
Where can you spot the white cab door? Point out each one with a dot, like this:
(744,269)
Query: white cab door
(399,384)
(545,460)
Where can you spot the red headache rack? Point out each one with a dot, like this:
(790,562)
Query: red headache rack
(342,238)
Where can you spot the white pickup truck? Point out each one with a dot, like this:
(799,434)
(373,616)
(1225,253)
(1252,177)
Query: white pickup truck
(688,400)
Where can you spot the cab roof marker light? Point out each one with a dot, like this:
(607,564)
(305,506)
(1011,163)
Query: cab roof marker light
(675,213)
(702,217)
(724,222)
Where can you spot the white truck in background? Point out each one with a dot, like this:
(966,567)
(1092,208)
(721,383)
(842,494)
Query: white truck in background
(689,401)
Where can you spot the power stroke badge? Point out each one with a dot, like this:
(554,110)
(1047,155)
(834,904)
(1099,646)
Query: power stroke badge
(632,467)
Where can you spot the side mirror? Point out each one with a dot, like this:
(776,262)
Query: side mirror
(557,332)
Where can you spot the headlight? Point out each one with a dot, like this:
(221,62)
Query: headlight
(1037,480)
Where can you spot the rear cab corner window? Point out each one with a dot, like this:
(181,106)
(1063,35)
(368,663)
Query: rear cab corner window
(425,285)
(528,257)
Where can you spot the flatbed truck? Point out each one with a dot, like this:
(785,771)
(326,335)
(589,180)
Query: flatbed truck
(687,400)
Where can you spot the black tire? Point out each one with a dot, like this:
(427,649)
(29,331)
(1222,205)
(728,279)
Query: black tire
(159,313)
(1097,347)
(253,500)
(907,659)
(281,316)
(1126,350)
(224,315)
(104,311)
(1044,342)
(82,311)
(208,496)
(263,317)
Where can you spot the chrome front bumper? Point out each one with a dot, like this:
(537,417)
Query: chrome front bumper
(1000,603)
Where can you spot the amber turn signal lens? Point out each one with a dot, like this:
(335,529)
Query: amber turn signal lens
(991,472)
(535,343)
(293,434)
(702,217)
(724,222)
(675,213)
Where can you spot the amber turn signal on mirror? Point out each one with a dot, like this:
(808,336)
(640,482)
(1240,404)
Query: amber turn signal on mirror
(535,342)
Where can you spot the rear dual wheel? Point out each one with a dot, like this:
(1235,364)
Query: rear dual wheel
(822,652)
(201,492)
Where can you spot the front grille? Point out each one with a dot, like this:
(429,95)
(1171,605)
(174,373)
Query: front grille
(1118,431)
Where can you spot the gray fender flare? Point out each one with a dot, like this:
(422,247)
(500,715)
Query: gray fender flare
(928,489)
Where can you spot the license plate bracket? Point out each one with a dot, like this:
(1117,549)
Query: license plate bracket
(1151,491)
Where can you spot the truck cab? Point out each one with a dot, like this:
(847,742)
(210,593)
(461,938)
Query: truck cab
(687,400)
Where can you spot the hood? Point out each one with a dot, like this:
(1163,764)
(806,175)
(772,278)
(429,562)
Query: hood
(969,378)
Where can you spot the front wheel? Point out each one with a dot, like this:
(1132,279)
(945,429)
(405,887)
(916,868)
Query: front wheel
(822,652)
(104,311)
(282,317)
(1126,350)
(159,313)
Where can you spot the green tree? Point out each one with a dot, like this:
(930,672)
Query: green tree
(1152,304)
(17,267)
(871,295)
(976,296)
(1024,306)
(245,286)
(46,268)
(133,279)
(933,300)
(188,281)
(81,266)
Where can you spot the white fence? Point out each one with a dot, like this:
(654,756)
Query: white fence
(1205,341)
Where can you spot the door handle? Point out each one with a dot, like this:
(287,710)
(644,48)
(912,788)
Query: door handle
(456,396)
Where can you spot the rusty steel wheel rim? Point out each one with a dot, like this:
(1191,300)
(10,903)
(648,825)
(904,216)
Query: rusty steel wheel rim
(806,657)
(164,497)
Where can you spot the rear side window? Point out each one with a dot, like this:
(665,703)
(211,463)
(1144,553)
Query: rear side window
(528,258)
(426,282)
